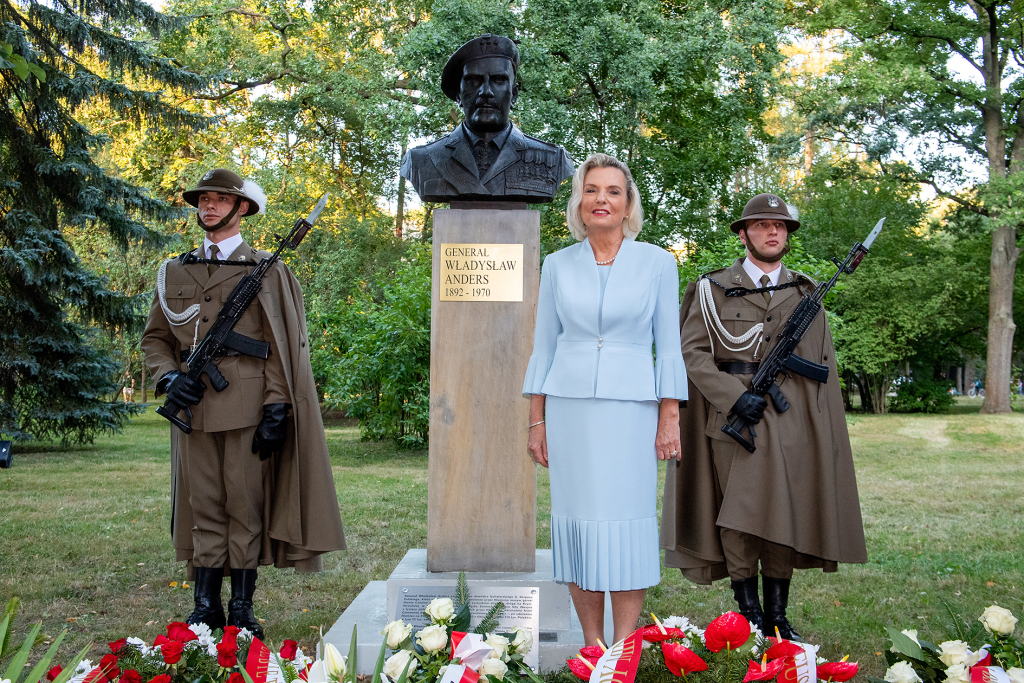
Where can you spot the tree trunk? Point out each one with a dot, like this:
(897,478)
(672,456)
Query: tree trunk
(1000,320)
(400,214)
(865,395)
(144,397)
(959,380)
(879,388)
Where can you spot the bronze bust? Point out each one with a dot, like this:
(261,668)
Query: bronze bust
(487,158)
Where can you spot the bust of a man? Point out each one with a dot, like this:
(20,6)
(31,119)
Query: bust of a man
(487,158)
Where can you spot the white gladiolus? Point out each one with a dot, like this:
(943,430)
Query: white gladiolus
(500,645)
(396,663)
(522,639)
(396,632)
(493,667)
(1016,674)
(901,672)
(998,620)
(334,663)
(440,609)
(432,638)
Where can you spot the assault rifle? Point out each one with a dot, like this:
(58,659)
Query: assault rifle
(782,359)
(220,339)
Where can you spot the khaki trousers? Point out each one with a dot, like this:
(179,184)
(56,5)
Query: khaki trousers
(223,480)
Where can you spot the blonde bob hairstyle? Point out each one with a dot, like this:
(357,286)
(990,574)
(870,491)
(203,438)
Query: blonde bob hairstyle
(632,224)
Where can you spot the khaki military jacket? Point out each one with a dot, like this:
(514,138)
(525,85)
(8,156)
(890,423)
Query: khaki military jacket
(798,488)
(301,519)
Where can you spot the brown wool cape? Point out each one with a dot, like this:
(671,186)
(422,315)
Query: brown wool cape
(798,488)
(301,519)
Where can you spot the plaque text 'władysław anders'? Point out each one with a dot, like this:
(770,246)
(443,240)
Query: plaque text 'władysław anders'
(481,272)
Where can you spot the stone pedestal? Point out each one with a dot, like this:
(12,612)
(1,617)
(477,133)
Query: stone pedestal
(559,634)
(481,504)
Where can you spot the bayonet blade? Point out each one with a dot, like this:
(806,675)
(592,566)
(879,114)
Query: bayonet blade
(874,233)
(320,207)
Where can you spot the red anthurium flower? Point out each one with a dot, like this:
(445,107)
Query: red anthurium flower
(653,633)
(52,674)
(171,651)
(130,676)
(230,636)
(236,678)
(764,671)
(729,630)
(108,665)
(783,648)
(592,652)
(837,671)
(116,646)
(179,631)
(580,668)
(681,660)
(162,678)
(227,655)
(288,650)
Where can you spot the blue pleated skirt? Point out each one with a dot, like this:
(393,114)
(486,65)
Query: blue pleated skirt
(604,479)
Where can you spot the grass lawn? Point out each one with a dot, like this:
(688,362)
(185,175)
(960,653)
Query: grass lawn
(85,544)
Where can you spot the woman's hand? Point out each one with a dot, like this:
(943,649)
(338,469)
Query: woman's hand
(538,445)
(666,443)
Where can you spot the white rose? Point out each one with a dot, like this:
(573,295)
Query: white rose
(998,620)
(334,663)
(500,645)
(396,632)
(958,673)
(1016,675)
(397,662)
(432,638)
(440,609)
(522,640)
(902,672)
(954,652)
(493,667)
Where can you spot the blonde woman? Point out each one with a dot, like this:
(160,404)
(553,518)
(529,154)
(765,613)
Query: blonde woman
(603,411)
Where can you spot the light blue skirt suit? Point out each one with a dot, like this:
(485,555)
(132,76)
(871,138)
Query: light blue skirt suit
(592,358)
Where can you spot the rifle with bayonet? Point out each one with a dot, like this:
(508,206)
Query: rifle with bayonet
(782,358)
(221,340)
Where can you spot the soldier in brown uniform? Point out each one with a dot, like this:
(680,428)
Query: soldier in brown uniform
(252,482)
(793,502)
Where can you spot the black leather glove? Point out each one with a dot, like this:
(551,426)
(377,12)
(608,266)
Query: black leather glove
(272,430)
(750,407)
(182,389)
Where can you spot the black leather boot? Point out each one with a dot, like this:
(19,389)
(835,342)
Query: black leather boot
(209,609)
(745,592)
(776,597)
(243,585)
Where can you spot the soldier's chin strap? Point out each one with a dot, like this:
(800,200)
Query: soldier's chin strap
(223,221)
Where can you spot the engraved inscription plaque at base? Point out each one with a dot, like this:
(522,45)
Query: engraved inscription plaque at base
(481,272)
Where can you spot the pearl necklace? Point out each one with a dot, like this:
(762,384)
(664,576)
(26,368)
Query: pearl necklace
(605,263)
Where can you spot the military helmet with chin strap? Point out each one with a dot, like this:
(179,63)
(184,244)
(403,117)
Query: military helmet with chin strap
(227,182)
(766,206)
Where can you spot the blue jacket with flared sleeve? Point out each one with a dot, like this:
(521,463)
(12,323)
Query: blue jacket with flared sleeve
(575,357)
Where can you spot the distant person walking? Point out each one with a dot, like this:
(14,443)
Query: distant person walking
(595,388)
(792,503)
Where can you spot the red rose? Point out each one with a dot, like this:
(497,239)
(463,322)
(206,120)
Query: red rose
(130,676)
(172,651)
(160,640)
(730,630)
(230,636)
(116,646)
(226,655)
(162,678)
(681,660)
(180,632)
(108,665)
(288,650)
(236,678)
(53,673)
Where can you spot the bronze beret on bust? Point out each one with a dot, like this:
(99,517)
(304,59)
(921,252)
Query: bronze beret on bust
(478,48)
(766,206)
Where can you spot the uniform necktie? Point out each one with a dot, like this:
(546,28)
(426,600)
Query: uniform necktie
(211,268)
(765,281)
(485,154)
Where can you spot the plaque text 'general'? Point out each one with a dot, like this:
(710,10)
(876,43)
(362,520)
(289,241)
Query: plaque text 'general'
(481,272)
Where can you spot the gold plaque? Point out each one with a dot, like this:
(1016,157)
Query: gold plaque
(481,272)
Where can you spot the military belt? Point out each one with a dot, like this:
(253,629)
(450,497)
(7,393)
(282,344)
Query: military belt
(735,367)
